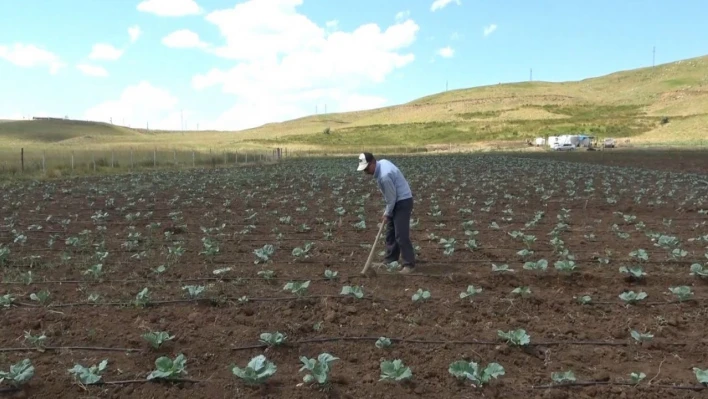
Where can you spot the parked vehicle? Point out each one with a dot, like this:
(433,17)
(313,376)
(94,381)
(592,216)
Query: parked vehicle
(608,143)
(563,147)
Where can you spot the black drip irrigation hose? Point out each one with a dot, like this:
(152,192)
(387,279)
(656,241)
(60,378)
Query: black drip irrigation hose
(443,342)
(582,384)
(71,348)
(345,339)
(219,301)
(195,300)
(294,278)
(160,380)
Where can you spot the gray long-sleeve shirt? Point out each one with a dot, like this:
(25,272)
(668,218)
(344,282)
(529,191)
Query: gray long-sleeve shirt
(392,183)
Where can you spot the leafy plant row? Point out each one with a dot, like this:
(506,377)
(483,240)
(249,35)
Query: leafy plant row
(300,289)
(316,371)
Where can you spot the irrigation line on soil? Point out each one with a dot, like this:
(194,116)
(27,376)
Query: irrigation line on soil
(294,278)
(217,301)
(71,348)
(235,203)
(300,277)
(363,246)
(443,342)
(170,281)
(353,339)
(320,262)
(200,207)
(450,223)
(610,383)
(521,227)
(159,380)
(194,300)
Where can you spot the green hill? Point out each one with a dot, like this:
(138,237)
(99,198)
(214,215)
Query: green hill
(58,130)
(666,104)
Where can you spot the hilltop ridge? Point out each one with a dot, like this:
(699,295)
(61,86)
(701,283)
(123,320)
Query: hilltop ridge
(665,103)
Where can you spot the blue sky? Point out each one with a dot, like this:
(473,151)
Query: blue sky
(229,64)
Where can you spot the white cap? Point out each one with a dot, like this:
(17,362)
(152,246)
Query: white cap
(363,163)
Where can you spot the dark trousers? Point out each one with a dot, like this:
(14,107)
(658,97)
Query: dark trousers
(398,240)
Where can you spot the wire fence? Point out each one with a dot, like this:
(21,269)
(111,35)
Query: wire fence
(59,162)
(32,162)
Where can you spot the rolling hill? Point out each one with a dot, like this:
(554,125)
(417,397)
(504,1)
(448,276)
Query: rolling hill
(666,104)
(60,130)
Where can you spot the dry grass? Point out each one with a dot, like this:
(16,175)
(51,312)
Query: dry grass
(470,117)
(692,131)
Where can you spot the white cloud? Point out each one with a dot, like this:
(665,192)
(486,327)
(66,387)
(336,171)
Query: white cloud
(446,52)
(134,32)
(29,55)
(332,24)
(170,8)
(103,51)
(488,30)
(92,70)
(440,4)
(402,15)
(183,38)
(286,64)
(138,106)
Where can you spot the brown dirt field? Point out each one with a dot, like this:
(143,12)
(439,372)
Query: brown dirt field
(686,161)
(592,340)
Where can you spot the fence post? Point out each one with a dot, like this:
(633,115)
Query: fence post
(154,157)
(192,158)
(131,159)
(72,161)
(226,159)
(174,156)
(22,160)
(44,162)
(93,158)
(113,159)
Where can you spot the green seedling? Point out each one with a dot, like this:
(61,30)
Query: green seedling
(19,373)
(354,291)
(464,370)
(258,370)
(157,338)
(515,337)
(395,370)
(318,368)
(273,339)
(471,292)
(90,375)
(168,369)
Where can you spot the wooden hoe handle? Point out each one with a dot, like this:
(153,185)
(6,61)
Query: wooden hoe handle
(373,248)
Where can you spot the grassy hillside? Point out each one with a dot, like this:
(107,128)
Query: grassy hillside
(56,130)
(667,104)
(635,104)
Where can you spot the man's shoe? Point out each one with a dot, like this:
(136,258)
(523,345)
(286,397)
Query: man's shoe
(406,270)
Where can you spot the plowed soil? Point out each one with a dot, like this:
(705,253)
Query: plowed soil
(219,331)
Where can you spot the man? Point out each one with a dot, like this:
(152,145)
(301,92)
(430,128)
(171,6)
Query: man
(399,205)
